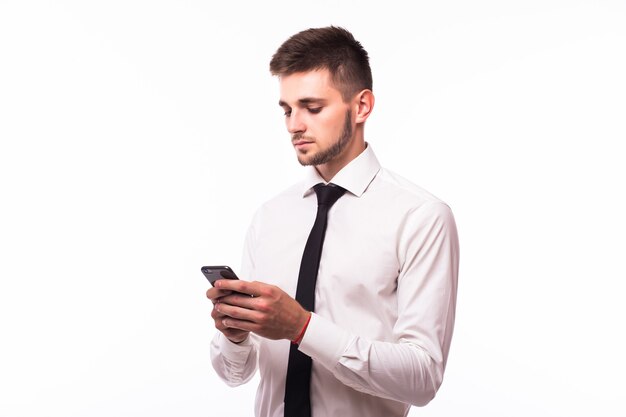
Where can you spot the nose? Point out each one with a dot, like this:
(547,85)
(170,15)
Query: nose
(295,124)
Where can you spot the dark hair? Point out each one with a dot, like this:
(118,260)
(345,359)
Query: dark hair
(332,48)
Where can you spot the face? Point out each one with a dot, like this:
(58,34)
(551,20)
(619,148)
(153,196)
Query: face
(316,116)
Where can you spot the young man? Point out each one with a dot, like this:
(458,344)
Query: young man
(370,331)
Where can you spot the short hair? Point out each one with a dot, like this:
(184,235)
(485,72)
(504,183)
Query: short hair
(332,48)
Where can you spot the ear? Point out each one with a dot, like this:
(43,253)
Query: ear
(364,104)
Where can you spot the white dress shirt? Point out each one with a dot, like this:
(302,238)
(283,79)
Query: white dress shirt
(384,301)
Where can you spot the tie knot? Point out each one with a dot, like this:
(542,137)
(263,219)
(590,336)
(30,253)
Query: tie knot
(327,195)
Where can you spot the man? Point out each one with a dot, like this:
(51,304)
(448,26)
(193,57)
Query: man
(380,313)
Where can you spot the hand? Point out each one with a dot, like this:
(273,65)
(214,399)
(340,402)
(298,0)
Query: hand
(234,335)
(270,312)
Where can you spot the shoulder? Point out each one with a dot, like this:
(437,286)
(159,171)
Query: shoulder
(424,219)
(405,194)
(280,204)
(285,199)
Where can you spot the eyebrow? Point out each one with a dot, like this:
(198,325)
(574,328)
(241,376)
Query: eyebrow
(304,101)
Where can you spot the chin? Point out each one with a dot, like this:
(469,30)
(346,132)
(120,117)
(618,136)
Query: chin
(304,161)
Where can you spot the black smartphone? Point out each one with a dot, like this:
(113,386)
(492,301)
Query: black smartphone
(213,273)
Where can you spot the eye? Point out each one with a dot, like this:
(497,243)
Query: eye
(314,110)
(287,113)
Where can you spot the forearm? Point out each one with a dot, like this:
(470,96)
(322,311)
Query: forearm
(401,371)
(234,363)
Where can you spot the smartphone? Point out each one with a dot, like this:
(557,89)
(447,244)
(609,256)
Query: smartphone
(213,273)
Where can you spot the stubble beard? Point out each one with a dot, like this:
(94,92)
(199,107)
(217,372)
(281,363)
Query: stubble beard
(326,155)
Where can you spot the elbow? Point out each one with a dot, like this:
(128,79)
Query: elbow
(426,388)
(424,397)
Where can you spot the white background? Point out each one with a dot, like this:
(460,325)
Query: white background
(138,138)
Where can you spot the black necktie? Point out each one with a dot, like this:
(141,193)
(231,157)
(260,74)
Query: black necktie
(298,383)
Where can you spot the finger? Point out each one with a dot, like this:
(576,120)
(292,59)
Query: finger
(239,300)
(219,324)
(248,326)
(238,312)
(216,315)
(214,294)
(238,285)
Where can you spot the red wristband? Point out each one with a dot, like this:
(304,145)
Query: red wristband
(301,335)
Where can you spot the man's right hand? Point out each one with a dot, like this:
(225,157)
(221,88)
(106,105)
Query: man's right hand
(234,335)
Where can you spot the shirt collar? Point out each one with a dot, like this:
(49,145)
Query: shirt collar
(354,177)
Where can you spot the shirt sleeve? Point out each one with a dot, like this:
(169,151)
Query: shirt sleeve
(236,363)
(410,368)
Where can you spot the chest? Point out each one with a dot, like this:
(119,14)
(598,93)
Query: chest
(359,266)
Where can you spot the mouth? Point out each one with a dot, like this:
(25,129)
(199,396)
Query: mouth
(301,143)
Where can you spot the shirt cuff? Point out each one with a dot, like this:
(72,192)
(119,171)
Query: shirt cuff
(324,341)
(232,350)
